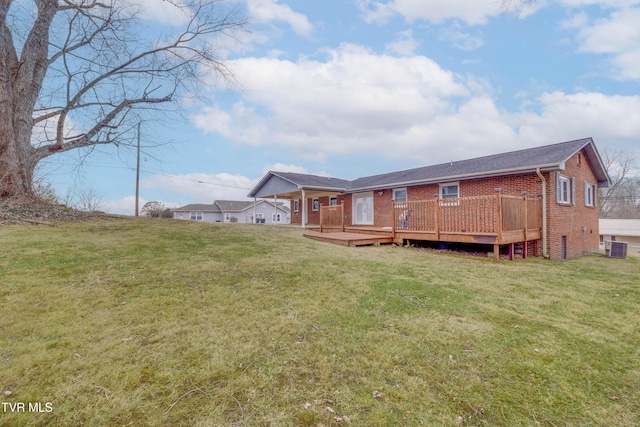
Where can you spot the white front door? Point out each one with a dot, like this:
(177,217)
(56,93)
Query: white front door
(363,209)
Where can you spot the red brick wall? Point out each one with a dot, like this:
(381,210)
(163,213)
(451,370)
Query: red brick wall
(569,219)
(313,217)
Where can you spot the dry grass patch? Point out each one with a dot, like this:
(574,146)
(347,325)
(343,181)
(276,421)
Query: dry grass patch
(155,322)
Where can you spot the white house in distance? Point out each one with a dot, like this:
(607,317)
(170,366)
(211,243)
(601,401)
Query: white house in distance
(621,230)
(247,212)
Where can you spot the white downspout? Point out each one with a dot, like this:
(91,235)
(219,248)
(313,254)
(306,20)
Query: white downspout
(545,252)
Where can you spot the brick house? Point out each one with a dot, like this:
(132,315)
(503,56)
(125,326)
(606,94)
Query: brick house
(474,199)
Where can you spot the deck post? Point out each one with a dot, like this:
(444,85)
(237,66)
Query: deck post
(342,215)
(437,219)
(496,252)
(393,220)
(304,208)
(498,218)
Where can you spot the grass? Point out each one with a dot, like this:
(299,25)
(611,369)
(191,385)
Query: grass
(175,323)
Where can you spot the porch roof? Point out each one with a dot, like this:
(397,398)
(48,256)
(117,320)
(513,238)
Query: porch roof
(285,184)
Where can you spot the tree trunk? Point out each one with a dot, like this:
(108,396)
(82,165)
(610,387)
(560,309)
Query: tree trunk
(16,179)
(20,84)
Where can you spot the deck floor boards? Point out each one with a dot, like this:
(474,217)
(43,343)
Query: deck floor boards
(350,239)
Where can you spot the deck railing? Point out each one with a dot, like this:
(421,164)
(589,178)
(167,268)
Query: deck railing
(476,215)
(332,217)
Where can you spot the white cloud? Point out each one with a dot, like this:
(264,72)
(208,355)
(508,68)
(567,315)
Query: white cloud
(567,116)
(405,44)
(576,22)
(356,102)
(434,11)
(348,103)
(267,11)
(201,187)
(165,12)
(618,37)
(460,39)
(282,167)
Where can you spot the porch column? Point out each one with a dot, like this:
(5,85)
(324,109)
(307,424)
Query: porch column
(304,208)
(255,200)
(275,204)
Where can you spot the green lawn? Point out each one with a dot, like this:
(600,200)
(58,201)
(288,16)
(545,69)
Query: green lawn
(175,323)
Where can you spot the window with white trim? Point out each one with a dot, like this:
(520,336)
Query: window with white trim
(196,216)
(296,205)
(450,191)
(275,217)
(333,201)
(399,194)
(563,189)
(315,204)
(589,195)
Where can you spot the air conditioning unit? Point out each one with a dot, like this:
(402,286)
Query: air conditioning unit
(618,250)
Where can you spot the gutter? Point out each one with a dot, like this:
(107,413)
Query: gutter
(545,253)
(444,179)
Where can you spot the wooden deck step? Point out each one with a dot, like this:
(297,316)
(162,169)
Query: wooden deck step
(349,239)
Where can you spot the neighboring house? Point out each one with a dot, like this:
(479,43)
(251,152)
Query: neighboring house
(481,200)
(264,211)
(621,230)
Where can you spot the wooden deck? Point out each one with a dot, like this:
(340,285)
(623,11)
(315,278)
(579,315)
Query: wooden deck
(490,220)
(350,239)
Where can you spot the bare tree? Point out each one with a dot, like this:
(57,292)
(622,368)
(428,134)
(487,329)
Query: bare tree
(156,209)
(84,199)
(622,198)
(75,74)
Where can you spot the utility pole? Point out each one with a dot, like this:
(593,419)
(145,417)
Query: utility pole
(138,173)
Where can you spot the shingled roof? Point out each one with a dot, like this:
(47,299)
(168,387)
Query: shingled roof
(548,157)
(545,158)
(197,208)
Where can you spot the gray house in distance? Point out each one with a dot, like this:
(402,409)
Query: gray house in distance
(248,212)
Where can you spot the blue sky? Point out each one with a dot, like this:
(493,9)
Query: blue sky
(358,87)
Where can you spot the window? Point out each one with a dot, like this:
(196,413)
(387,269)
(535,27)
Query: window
(196,216)
(333,201)
(449,191)
(565,189)
(227,217)
(400,195)
(315,204)
(296,205)
(275,217)
(589,195)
